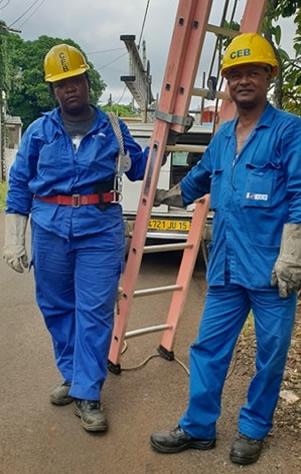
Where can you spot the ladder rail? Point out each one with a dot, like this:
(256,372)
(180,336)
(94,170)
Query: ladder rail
(185,272)
(200,14)
(178,84)
(169,96)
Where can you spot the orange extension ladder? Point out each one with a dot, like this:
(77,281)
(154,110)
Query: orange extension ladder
(191,25)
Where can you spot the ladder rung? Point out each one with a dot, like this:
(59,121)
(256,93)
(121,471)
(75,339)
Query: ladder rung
(219,30)
(204,93)
(157,290)
(148,330)
(188,148)
(167,247)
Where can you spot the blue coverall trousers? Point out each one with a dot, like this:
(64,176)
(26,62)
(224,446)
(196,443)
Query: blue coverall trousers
(225,312)
(76,287)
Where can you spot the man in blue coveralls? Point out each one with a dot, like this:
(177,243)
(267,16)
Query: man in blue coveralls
(64,176)
(252,170)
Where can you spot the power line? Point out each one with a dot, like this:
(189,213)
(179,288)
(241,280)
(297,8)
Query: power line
(106,50)
(120,71)
(143,23)
(113,60)
(34,11)
(122,95)
(23,14)
(8,1)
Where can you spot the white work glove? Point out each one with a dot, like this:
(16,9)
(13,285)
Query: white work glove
(14,252)
(171,197)
(287,269)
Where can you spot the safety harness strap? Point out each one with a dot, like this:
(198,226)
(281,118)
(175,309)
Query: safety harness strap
(123,162)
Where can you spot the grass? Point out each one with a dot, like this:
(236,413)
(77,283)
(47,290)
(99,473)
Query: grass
(3,191)
(249,325)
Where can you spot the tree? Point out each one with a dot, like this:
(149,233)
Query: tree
(4,58)
(121,110)
(287,88)
(29,94)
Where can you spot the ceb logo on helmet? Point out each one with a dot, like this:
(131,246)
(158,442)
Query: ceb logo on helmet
(64,62)
(240,53)
(247,48)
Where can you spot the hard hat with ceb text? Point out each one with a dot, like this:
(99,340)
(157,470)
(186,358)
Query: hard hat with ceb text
(249,48)
(63,61)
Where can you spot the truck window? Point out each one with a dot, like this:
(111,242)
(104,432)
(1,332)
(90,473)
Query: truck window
(181,164)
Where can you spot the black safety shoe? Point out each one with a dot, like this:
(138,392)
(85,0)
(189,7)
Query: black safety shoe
(177,440)
(60,395)
(245,450)
(92,415)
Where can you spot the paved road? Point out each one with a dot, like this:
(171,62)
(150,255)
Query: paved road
(38,438)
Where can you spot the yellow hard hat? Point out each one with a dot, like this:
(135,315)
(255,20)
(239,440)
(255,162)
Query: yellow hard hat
(63,61)
(249,48)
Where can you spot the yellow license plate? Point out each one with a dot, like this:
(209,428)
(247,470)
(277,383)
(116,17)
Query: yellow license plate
(169,225)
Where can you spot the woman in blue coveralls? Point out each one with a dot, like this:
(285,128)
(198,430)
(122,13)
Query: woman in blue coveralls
(64,176)
(252,168)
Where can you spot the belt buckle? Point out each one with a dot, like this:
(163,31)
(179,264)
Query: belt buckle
(75,200)
(117,197)
(117,191)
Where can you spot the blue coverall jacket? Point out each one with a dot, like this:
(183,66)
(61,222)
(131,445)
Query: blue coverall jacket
(252,195)
(47,164)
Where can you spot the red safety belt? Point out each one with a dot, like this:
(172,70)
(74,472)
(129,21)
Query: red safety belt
(77,200)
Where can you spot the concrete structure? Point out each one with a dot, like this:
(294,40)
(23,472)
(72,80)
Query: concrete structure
(13,129)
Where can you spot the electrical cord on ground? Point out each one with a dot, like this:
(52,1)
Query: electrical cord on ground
(178,361)
(128,369)
(152,356)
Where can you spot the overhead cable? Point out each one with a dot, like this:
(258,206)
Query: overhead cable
(143,23)
(23,14)
(106,51)
(113,60)
(8,1)
(34,11)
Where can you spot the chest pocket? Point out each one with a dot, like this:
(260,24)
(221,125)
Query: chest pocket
(215,188)
(260,185)
(54,156)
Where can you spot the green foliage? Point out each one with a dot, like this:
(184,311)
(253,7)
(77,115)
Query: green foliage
(121,110)
(29,94)
(285,8)
(292,86)
(233,25)
(4,59)
(289,82)
(3,192)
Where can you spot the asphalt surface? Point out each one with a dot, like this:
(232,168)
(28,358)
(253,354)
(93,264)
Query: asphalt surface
(39,438)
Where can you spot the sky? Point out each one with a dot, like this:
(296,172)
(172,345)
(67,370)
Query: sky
(96,25)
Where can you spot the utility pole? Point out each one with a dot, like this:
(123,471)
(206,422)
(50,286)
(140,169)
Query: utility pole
(2,137)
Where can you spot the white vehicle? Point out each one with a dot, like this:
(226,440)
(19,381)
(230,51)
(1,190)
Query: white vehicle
(167,223)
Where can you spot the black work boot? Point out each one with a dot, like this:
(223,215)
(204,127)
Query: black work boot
(177,440)
(245,450)
(60,395)
(92,415)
